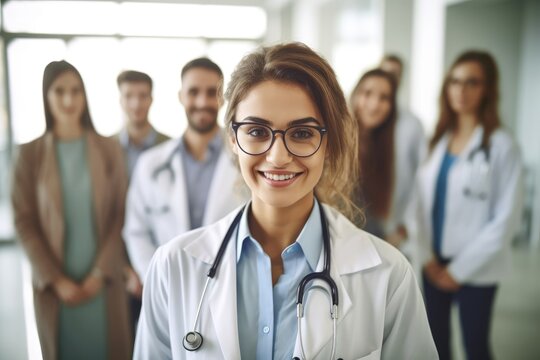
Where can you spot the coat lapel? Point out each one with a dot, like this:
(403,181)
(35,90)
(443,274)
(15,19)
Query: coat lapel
(222,291)
(430,178)
(220,189)
(223,305)
(50,195)
(97,164)
(354,255)
(172,186)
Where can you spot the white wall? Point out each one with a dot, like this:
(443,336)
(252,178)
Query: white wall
(495,26)
(427,59)
(397,39)
(528,114)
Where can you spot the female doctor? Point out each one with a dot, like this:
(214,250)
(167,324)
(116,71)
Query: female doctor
(468,204)
(291,134)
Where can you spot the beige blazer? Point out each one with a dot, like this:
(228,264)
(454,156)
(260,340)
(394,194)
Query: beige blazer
(39,220)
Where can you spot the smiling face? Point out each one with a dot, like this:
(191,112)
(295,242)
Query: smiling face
(66,99)
(277,178)
(201,98)
(373,101)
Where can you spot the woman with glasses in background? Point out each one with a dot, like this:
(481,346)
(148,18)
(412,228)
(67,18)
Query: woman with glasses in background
(68,199)
(295,142)
(467,205)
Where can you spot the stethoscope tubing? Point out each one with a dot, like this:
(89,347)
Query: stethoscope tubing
(193,340)
(467,190)
(167,164)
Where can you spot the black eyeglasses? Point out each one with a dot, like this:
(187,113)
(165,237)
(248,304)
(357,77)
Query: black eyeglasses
(300,140)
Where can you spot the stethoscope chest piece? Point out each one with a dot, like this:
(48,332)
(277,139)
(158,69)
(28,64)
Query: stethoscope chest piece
(192,341)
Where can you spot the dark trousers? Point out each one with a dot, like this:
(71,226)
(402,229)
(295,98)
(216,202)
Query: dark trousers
(135,305)
(475,305)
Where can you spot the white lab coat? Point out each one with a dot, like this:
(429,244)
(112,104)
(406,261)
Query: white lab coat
(476,233)
(381,311)
(157,207)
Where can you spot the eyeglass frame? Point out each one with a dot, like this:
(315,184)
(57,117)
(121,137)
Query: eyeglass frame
(321,129)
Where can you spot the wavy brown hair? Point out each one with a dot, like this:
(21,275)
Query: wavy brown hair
(488,113)
(52,71)
(376,152)
(297,64)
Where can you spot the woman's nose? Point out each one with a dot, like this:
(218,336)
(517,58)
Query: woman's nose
(278,153)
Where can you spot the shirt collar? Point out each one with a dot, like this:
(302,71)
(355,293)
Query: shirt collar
(309,240)
(214,146)
(148,141)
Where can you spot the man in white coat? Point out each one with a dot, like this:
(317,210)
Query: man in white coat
(183,183)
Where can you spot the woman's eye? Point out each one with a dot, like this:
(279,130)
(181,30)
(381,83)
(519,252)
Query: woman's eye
(258,132)
(302,133)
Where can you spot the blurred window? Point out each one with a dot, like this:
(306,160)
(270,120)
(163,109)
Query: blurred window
(134,19)
(359,44)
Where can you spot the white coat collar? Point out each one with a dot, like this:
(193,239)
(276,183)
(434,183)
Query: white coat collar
(352,251)
(473,143)
(350,245)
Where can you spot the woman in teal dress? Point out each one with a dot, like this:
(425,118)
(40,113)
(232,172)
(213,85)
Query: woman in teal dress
(68,199)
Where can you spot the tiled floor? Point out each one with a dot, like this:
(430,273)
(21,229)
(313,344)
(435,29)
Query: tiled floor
(516,327)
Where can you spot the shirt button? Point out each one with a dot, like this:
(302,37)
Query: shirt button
(266,329)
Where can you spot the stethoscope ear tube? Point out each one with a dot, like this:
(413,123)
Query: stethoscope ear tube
(324,276)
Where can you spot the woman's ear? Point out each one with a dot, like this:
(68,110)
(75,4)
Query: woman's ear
(232,143)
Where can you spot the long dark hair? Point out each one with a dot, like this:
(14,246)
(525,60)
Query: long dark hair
(376,153)
(297,64)
(488,113)
(52,71)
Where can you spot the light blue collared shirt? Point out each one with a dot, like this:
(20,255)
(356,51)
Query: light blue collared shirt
(133,151)
(198,176)
(266,314)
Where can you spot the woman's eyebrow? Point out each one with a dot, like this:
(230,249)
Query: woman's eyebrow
(302,121)
(257,120)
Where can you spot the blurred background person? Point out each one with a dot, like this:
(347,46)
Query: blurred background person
(135,137)
(373,104)
(184,183)
(468,205)
(68,199)
(410,147)
(135,99)
(389,156)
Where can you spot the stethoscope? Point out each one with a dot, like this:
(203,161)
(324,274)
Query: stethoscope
(193,340)
(477,174)
(167,165)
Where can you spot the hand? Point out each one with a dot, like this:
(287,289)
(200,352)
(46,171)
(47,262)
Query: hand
(432,270)
(92,285)
(446,282)
(133,283)
(398,236)
(68,291)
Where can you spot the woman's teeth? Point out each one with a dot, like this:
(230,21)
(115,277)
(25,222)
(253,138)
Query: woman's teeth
(277,177)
